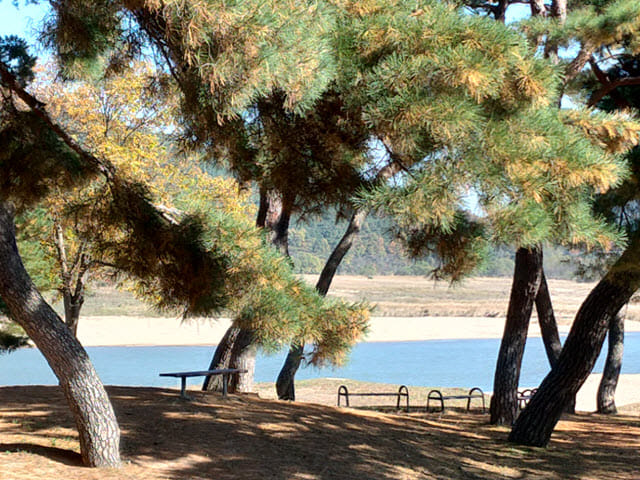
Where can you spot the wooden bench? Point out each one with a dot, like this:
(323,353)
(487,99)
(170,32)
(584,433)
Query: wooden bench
(475,392)
(402,392)
(225,372)
(524,396)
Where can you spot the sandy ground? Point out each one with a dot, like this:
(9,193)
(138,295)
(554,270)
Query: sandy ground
(251,438)
(115,330)
(120,330)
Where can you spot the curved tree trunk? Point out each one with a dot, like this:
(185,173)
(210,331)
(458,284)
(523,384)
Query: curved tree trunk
(526,281)
(341,249)
(581,349)
(285,384)
(235,350)
(286,378)
(549,329)
(606,398)
(94,417)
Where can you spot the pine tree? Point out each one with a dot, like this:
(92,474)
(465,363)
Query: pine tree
(547,30)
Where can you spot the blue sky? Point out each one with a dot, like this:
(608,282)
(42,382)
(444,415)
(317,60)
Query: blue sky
(20,21)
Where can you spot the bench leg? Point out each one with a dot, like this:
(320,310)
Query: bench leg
(225,382)
(183,388)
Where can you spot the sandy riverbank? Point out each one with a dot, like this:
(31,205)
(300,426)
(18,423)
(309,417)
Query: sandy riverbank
(119,330)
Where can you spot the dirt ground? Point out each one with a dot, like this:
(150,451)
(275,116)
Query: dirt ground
(248,437)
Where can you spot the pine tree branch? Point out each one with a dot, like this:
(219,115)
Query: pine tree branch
(603,78)
(609,87)
(578,63)
(105,167)
(85,265)
(58,241)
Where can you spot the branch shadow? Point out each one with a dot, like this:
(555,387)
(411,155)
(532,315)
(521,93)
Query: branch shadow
(67,457)
(244,435)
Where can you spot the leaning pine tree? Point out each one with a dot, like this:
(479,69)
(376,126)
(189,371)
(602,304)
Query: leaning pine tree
(532,167)
(190,278)
(597,28)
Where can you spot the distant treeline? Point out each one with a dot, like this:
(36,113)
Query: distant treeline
(376,252)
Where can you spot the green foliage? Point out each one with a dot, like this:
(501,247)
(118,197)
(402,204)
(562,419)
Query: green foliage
(14,53)
(460,249)
(11,337)
(84,35)
(595,24)
(265,296)
(33,227)
(169,260)
(315,157)
(34,161)
(428,76)
(620,206)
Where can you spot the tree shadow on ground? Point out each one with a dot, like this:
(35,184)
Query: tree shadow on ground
(244,436)
(67,457)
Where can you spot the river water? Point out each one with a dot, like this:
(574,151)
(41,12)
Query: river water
(445,363)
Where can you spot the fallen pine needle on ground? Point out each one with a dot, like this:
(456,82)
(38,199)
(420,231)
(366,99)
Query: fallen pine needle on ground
(248,437)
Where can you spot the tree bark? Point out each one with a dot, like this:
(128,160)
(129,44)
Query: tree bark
(538,8)
(90,405)
(285,384)
(526,281)
(263,209)
(549,330)
(72,309)
(547,321)
(234,351)
(339,252)
(581,349)
(281,228)
(559,10)
(500,10)
(606,399)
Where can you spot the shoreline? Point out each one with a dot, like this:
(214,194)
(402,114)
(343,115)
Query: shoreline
(162,331)
(107,331)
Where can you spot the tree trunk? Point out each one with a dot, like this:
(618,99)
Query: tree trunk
(538,8)
(581,349)
(559,10)
(72,289)
(526,281)
(281,228)
(607,390)
(339,252)
(90,405)
(263,209)
(549,329)
(547,321)
(500,10)
(285,385)
(234,351)
(72,307)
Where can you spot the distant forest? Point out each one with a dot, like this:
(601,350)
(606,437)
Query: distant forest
(376,252)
